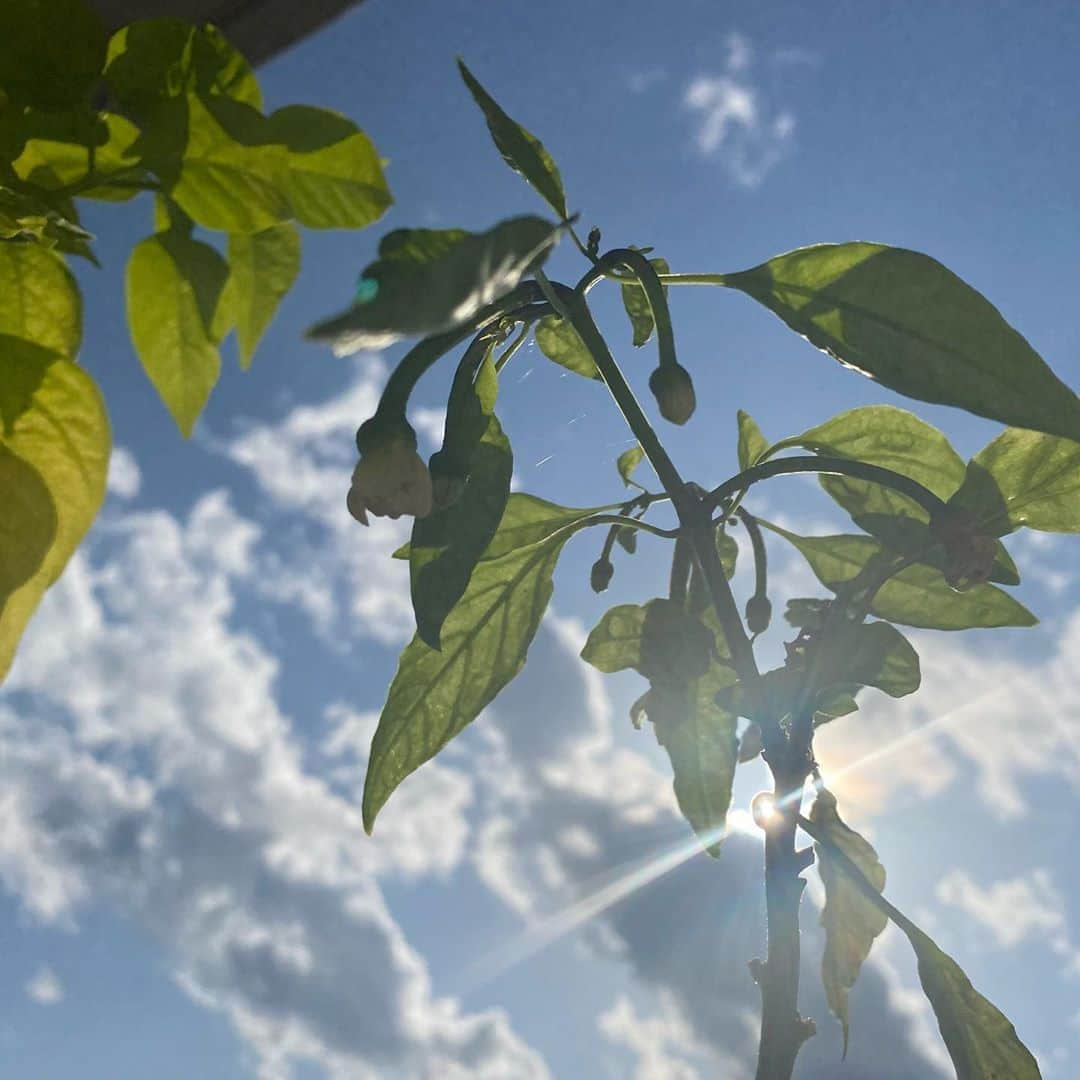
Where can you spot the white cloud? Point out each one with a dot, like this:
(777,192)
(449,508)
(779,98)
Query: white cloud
(1015,910)
(149,767)
(125,478)
(662,1044)
(45,987)
(980,713)
(737,123)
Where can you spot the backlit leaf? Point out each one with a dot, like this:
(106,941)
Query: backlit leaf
(262,267)
(560,342)
(224,178)
(850,920)
(53,422)
(981,1040)
(174,289)
(520,149)
(158,58)
(628,461)
(904,319)
(916,596)
(529,520)
(332,175)
(436,694)
(752,444)
(39,300)
(1026,479)
(614,644)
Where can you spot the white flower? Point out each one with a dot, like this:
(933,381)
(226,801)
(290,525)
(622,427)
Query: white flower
(390,479)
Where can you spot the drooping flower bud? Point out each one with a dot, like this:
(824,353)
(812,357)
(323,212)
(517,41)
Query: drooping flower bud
(674,392)
(391,478)
(758,614)
(601,574)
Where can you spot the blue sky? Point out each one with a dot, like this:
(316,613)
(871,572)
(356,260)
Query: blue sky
(187,890)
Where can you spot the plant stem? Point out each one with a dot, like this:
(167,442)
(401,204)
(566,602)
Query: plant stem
(783,1031)
(821,464)
(691,509)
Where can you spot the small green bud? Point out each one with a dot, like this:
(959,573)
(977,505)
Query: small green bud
(592,245)
(601,574)
(758,614)
(627,540)
(674,392)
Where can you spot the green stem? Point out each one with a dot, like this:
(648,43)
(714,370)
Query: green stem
(692,511)
(645,274)
(833,465)
(757,543)
(525,303)
(508,353)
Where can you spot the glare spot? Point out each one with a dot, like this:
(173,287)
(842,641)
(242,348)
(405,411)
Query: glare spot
(763,809)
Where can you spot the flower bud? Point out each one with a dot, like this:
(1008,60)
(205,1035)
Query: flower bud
(674,392)
(391,478)
(601,574)
(758,614)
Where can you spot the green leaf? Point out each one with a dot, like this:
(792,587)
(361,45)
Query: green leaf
(904,319)
(916,596)
(1023,478)
(529,520)
(65,149)
(262,268)
(850,920)
(175,286)
(225,178)
(160,58)
(416,295)
(435,694)
(868,654)
(53,51)
(447,544)
(614,644)
(520,149)
(753,446)
(893,439)
(560,342)
(628,461)
(727,548)
(981,1041)
(28,525)
(701,744)
(698,735)
(39,300)
(53,422)
(637,304)
(30,218)
(332,173)
(916,539)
